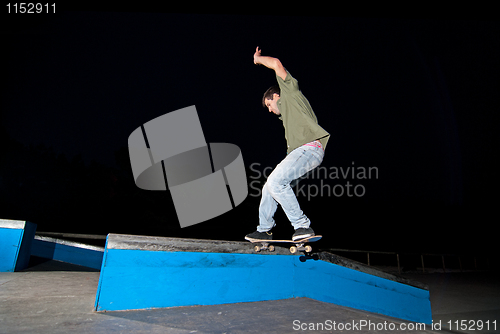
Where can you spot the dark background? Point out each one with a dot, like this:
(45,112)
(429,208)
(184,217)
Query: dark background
(414,95)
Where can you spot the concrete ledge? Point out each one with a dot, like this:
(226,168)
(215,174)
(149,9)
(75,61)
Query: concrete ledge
(15,244)
(67,251)
(361,267)
(152,272)
(123,241)
(158,244)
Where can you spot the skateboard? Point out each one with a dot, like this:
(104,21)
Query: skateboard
(299,245)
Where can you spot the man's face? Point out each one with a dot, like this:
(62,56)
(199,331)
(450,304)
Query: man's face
(272,105)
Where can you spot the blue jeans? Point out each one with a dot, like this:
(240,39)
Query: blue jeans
(277,189)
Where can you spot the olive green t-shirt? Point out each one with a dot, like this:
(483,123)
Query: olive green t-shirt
(299,120)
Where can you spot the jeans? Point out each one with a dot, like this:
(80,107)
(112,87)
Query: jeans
(277,189)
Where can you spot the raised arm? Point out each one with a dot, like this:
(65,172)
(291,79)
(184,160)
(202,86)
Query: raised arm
(270,62)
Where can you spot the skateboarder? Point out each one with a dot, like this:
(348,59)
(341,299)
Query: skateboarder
(306,142)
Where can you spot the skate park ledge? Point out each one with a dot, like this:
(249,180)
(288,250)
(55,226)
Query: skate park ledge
(16,237)
(140,272)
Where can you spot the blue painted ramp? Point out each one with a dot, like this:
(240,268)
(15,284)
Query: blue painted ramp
(67,251)
(150,272)
(334,283)
(15,244)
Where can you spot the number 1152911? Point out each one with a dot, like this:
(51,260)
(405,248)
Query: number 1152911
(31,8)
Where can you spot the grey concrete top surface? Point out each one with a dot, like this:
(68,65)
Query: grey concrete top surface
(122,241)
(12,224)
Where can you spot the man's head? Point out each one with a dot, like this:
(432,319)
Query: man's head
(270,99)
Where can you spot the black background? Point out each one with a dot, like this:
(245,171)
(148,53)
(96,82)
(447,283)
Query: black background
(415,95)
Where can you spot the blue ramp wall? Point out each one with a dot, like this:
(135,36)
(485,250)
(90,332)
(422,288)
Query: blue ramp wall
(336,284)
(146,272)
(133,279)
(15,244)
(67,251)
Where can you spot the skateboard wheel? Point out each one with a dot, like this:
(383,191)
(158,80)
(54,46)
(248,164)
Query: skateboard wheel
(256,248)
(308,249)
(271,248)
(293,249)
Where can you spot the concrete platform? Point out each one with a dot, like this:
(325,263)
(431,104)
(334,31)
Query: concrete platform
(56,297)
(53,298)
(140,272)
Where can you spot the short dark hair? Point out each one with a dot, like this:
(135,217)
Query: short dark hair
(269,94)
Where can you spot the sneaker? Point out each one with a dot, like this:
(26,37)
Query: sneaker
(259,235)
(302,233)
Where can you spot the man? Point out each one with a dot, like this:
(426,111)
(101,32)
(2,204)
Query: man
(306,142)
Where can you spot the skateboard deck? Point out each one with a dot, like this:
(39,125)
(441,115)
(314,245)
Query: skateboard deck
(299,245)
